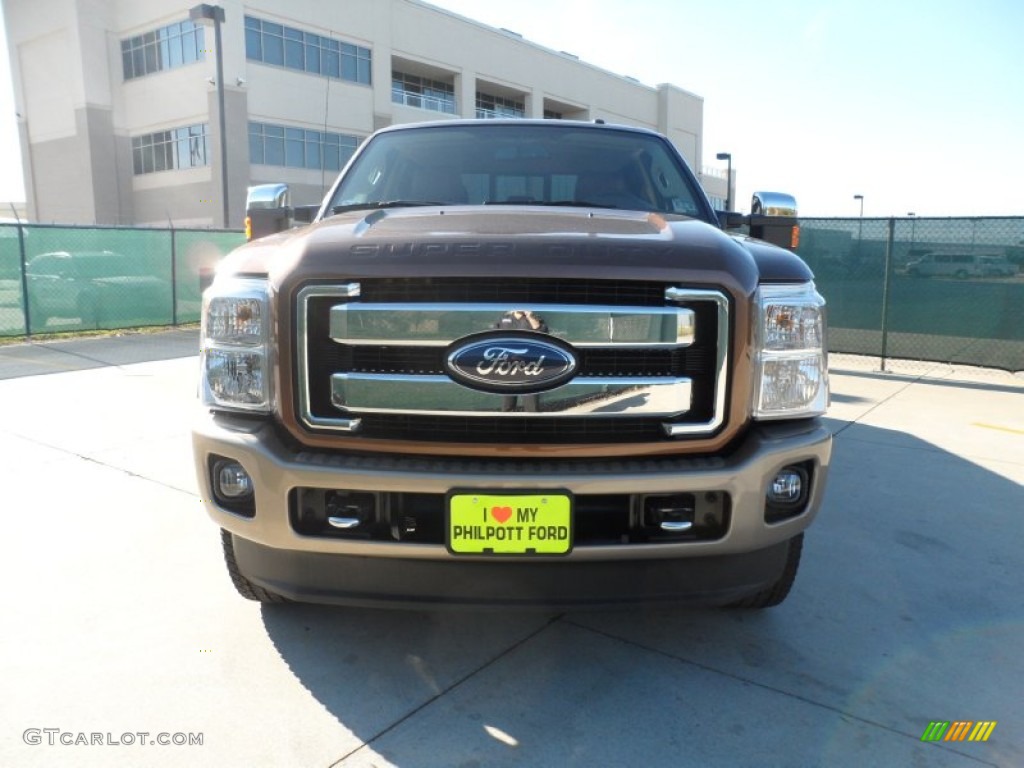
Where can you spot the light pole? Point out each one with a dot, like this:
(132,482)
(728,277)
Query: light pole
(203,14)
(860,226)
(913,232)
(728,179)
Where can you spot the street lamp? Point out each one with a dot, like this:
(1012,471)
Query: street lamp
(860,227)
(203,14)
(728,179)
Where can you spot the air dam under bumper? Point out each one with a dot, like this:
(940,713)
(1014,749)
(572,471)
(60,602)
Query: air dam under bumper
(750,556)
(315,577)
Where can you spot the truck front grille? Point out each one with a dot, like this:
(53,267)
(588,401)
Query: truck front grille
(371,361)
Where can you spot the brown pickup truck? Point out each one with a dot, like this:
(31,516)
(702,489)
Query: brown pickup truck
(513,363)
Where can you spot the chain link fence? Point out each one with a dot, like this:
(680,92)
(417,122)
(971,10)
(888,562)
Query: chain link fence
(947,290)
(59,278)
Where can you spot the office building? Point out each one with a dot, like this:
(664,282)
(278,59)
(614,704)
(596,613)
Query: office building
(119,110)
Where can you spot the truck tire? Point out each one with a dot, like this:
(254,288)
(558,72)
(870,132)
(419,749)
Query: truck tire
(245,588)
(777,592)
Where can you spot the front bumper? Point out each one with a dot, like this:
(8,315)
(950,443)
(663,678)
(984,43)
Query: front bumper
(748,557)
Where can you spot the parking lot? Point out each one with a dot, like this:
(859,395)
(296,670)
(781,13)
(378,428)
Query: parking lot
(120,620)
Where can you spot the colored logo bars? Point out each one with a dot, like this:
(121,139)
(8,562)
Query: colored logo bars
(959,730)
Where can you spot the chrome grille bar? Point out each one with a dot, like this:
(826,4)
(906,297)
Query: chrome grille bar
(438,325)
(659,397)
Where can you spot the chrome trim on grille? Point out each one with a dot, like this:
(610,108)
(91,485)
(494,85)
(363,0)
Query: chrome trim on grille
(439,395)
(438,325)
(685,328)
(721,360)
(302,330)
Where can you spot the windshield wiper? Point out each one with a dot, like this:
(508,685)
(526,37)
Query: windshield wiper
(373,206)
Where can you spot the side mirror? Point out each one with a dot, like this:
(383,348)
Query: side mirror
(773,219)
(260,222)
(268,210)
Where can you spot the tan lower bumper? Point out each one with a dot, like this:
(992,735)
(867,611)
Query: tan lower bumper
(744,474)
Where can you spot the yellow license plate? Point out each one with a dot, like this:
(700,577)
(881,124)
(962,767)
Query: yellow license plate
(509,524)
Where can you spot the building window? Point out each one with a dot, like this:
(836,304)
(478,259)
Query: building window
(305,52)
(422,92)
(488,106)
(187,147)
(166,48)
(299,148)
(550,114)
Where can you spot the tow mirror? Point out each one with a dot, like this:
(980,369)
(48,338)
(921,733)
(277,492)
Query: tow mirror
(268,210)
(773,218)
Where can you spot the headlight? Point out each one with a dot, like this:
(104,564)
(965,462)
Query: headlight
(236,361)
(791,364)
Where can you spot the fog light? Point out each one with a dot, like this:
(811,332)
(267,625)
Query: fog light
(787,487)
(233,482)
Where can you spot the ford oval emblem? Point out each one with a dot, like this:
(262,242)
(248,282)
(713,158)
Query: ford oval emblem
(510,363)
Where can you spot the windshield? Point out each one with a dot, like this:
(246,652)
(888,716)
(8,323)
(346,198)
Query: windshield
(489,164)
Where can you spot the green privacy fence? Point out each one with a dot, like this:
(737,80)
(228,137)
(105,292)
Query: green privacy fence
(939,289)
(61,278)
(947,290)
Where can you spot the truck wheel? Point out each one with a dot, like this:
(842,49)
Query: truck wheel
(777,592)
(245,588)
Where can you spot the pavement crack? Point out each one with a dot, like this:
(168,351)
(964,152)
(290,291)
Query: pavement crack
(100,463)
(455,685)
(79,355)
(849,716)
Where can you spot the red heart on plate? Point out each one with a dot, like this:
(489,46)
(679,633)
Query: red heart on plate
(501,514)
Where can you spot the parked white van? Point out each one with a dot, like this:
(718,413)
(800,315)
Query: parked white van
(960,265)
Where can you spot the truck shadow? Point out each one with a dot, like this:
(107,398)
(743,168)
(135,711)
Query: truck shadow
(909,599)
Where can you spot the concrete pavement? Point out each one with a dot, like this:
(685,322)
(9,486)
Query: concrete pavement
(119,617)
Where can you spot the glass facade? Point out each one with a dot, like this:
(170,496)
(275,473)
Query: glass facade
(299,148)
(294,49)
(422,92)
(489,106)
(186,147)
(166,48)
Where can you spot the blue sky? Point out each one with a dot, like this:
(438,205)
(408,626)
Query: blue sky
(918,106)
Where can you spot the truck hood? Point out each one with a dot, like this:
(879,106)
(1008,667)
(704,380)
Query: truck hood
(516,241)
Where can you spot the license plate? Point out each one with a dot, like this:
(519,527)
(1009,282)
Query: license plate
(509,523)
